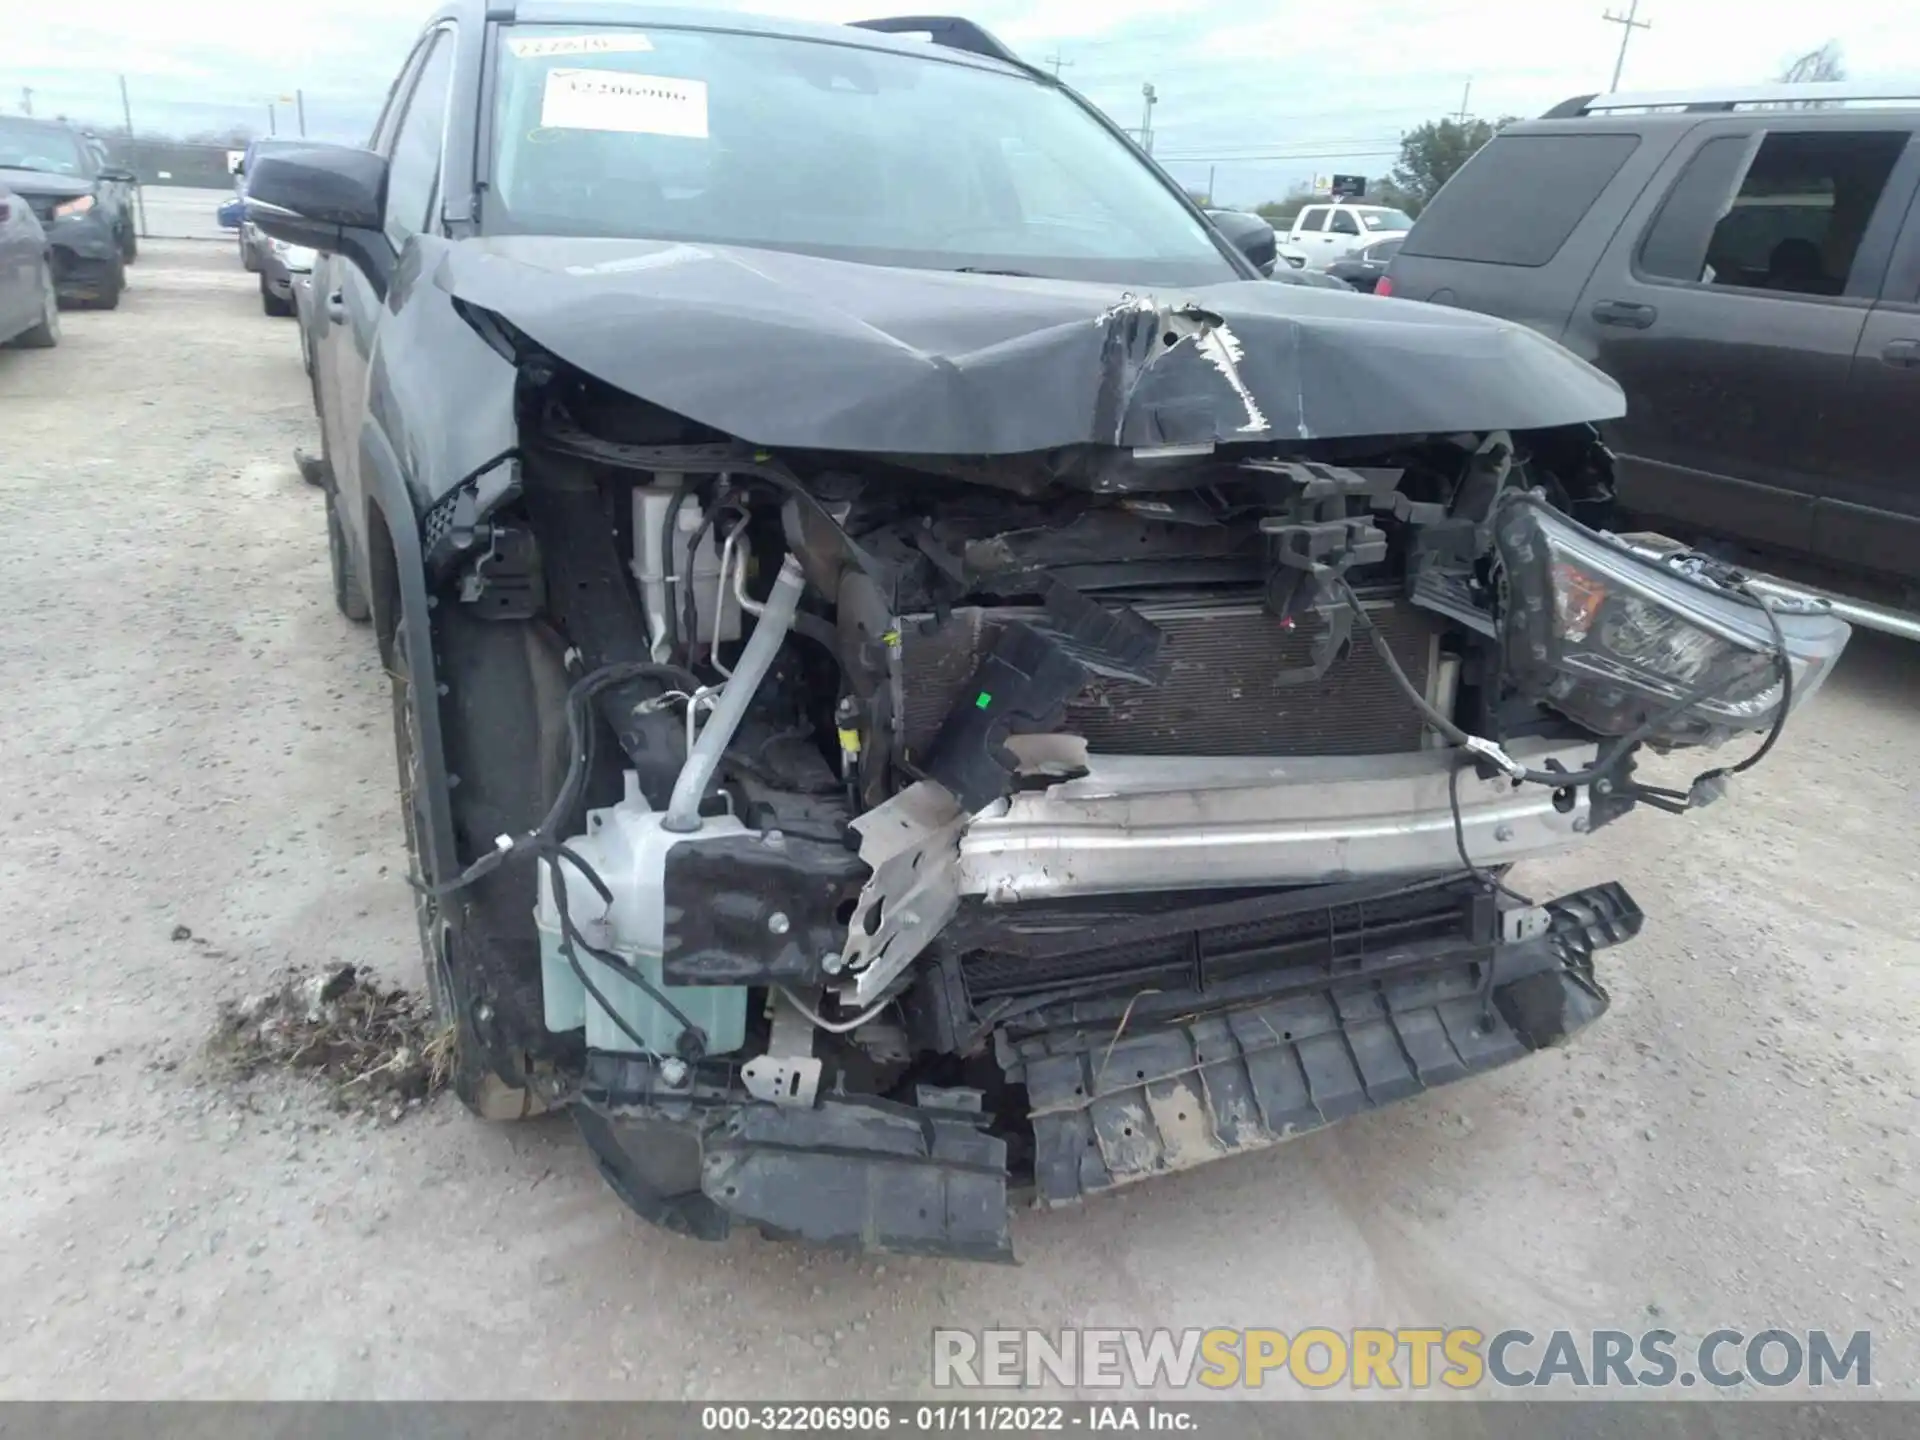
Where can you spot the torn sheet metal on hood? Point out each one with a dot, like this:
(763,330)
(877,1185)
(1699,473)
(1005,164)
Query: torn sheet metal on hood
(799,351)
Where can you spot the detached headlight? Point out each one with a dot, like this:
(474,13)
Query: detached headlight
(1614,640)
(79,205)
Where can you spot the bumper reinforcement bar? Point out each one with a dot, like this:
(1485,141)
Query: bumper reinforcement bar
(1168,823)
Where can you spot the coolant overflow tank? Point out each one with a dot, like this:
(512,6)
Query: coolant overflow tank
(627,847)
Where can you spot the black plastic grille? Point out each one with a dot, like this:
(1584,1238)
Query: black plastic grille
(1333,936)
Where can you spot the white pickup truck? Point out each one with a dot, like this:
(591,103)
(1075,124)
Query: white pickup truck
(1326,233)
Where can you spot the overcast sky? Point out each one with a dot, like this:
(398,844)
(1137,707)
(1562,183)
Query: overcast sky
(1308,89)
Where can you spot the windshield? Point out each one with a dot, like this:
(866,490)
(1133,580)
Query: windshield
(1386,219)
(828,149)
(52,148)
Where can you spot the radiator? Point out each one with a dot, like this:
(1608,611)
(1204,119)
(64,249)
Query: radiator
(1219,695)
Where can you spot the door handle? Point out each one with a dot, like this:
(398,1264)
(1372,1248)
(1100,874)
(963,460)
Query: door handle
(337,307)
(1902,354)
(1625,312)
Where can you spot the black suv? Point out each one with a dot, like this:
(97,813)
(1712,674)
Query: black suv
(916,669)
(84,203)
(1747,266)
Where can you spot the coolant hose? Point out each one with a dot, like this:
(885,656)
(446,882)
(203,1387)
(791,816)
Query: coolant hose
(683,810)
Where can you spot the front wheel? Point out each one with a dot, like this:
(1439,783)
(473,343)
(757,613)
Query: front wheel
(271,303)
(349,596)
(107,296)
(46,334)
(129,246)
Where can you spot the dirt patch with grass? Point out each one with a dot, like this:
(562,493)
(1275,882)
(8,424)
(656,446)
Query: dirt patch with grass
(376,1049)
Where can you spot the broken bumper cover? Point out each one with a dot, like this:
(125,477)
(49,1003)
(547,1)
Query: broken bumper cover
(85,253)
(1109,1113)
(1164,1096)
(859,1174)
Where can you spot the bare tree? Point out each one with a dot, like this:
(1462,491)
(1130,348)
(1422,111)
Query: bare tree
(1815,66)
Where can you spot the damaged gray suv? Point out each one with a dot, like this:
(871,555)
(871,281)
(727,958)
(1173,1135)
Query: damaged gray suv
(920,679)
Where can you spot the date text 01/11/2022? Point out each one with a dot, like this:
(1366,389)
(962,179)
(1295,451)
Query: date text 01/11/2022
(946,1418)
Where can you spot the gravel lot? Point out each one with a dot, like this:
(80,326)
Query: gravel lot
(194,738)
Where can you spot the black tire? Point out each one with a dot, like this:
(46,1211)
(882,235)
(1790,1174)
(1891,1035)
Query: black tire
(349,596)
(272,304)
(107,297)
(478,946)
(46,334)
(313,469)
(129,245)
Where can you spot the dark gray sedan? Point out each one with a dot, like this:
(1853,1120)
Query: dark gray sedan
(29,309)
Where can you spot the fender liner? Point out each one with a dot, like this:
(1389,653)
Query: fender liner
(386,490)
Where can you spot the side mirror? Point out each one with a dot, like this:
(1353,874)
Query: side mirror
(119,175)
(1251,235)
(325,197)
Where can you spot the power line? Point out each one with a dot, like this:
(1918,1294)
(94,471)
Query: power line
(1628,23)
(1311,142)
(1057,62)
(1264,159)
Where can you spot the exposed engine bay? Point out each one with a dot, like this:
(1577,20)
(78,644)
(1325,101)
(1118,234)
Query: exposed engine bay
(933,824)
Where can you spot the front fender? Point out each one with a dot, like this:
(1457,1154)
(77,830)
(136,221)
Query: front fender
(397,584)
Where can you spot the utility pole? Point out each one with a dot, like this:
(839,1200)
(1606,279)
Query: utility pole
(1056,60)
(1465,97)
(1210,170)
(272,127)
(1628,23)
(26,101)
(300,107)
(139,191)
(1146,116)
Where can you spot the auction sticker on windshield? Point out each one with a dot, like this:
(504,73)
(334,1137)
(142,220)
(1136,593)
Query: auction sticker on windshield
(615,100)
(537,47)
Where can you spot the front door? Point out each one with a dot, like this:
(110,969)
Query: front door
(353,302)
(1870,516)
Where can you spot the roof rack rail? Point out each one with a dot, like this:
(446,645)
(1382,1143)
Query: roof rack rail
(1696,102)
(947,30)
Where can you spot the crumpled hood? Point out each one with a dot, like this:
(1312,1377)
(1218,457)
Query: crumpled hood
(790,350)
(38,183)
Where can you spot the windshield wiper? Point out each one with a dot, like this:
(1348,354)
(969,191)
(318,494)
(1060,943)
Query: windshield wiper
(985,270)
(36,169)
